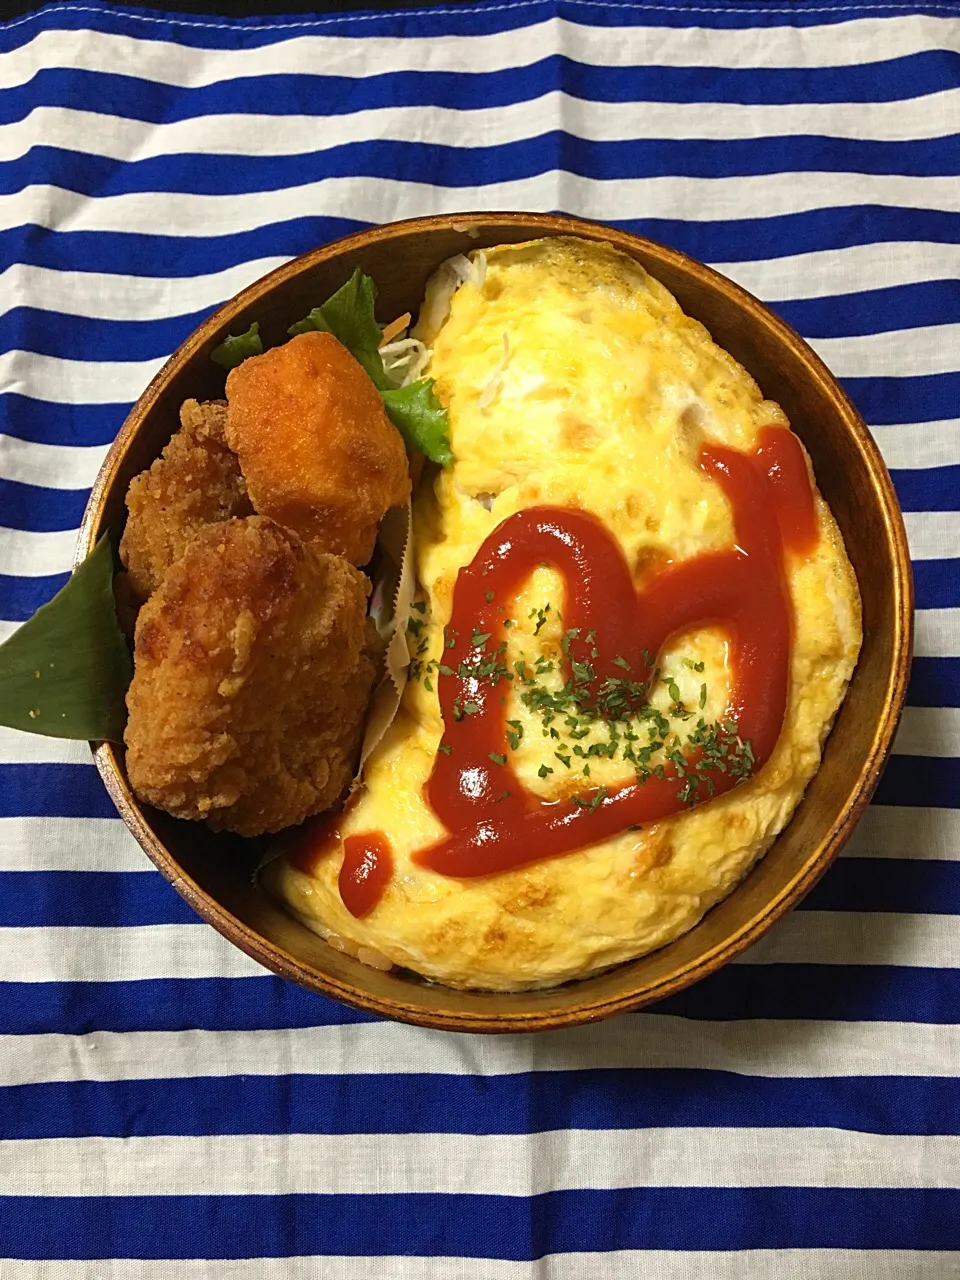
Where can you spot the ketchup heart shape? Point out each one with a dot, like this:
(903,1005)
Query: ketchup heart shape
(494,823)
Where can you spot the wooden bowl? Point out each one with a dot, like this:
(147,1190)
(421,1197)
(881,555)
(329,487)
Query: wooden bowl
(213,873)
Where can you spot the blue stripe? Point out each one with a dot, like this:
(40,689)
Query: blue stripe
(729,240)
(868,993)
(169,1004)
(936,583)
(882,401)
(934,682)
(891,401)
(71,337)
(905,306)
(443,19)
(37,509)
(478,1226)
(323,96)
(51,333)
(47,422)
(212,32)
(20,597)
(75,790)
(928,488)
(93,898)
(534,1102)
(131,898)
(773,991)
(885,884)
(53,790)
(921,781)
(454,167)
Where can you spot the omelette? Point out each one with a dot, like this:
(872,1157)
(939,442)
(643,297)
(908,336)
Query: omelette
(635,622)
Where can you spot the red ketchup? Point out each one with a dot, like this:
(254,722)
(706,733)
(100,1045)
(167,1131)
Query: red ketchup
(494,825)
(367,859)
(366,871)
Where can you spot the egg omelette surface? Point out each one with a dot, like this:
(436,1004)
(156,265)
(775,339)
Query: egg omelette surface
(572,378)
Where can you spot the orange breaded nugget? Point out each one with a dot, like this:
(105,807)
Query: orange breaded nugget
(251,680)
(196,481)
(315,444)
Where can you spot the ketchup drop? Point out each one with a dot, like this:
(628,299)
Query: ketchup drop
(366,871)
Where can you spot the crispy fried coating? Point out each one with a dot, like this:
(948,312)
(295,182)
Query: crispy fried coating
(251,680)
(196,481)
(317,449)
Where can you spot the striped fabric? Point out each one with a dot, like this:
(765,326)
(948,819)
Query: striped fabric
(170,1110)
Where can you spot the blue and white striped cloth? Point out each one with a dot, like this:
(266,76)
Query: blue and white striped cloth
(168,1110)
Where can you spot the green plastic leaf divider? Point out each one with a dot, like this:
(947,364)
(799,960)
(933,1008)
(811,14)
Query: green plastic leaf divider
(64,673)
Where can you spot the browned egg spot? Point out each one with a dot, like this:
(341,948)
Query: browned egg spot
(650,560)
(577,434)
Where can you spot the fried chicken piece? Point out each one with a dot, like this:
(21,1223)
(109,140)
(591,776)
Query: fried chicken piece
(251,680)
(196,481)
(315,444)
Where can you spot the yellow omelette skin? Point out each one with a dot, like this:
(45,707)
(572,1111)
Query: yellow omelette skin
(598,398)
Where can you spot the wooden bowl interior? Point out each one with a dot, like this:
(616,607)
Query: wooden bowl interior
(214,873)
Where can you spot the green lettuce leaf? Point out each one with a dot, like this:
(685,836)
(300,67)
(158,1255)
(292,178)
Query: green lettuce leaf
(235,348)
(421,419)
(64,673)
(349,316)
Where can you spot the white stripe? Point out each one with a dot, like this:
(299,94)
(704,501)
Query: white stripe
(102,296)
(920,444)
(829,273)
(360,54)
(105,844)
(933,535)
(52,466)
(63,844)
(17,747)
(929,731)
(937,633)
(768,1048)
(624,1264)
(826,273)
(895,831)
(467,1164)
(75,381)
(901,353)
(88,954)
(120,138)
(842,937)
(378,200)
(35,554)
(194,951)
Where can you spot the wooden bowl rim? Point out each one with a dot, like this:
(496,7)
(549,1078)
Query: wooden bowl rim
(282,962)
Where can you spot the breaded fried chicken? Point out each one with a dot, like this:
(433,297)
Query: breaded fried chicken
(196,481)
(251,680)
(315,444)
